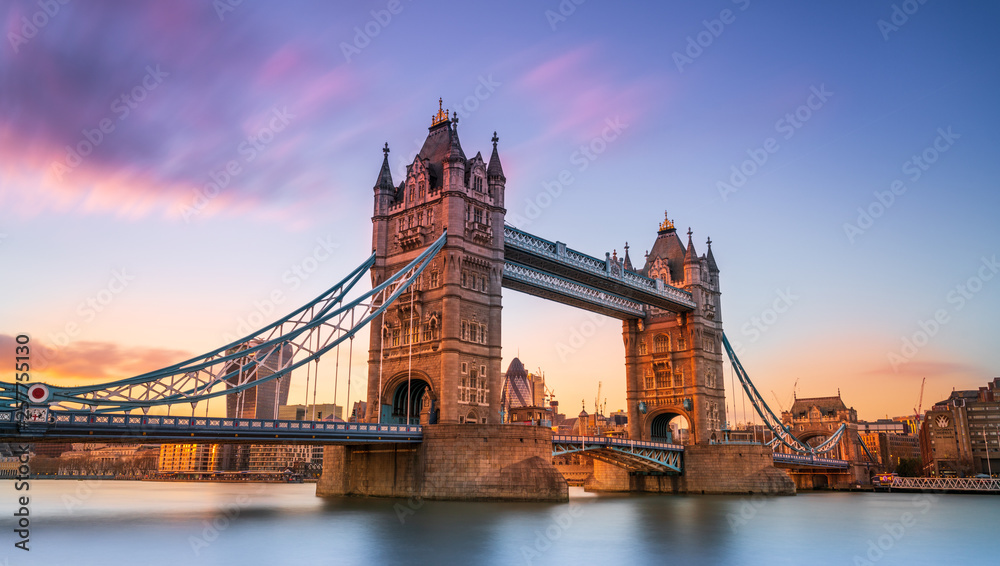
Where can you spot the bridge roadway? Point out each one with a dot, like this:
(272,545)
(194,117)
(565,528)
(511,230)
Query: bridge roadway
(553,271)
(69,426)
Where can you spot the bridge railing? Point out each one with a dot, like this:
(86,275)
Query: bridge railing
(610,441)
(808,460)
(952,484)
(67,419)
(559,252)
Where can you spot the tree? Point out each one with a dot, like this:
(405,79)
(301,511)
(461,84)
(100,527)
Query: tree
(909,467)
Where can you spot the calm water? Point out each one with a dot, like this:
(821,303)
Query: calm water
(204,523)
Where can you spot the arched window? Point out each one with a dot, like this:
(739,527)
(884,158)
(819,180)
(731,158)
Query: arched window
(661,344)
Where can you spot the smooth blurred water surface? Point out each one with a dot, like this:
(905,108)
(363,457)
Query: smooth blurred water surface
(151,523)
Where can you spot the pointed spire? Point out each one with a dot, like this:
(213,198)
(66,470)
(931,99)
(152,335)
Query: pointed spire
(494,169)
(691,255)
(385,175)
(712,266)
(628,262)
(455,146)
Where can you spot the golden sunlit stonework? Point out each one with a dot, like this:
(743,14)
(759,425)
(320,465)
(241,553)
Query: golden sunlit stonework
(674,360)
(667,223)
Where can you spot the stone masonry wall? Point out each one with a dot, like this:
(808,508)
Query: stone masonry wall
(455,461)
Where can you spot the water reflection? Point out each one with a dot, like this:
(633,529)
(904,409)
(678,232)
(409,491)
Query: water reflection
(206,523)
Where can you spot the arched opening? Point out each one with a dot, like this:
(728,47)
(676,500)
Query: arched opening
(820,481)
(398,408)
(672,428)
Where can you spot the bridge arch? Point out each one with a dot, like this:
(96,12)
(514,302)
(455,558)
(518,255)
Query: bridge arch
(816,436)
(398,391)
(656,424)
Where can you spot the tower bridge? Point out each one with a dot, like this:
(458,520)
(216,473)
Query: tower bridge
(442,253)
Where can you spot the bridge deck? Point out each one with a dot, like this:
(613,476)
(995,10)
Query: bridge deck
(70,426)
(794,460)
(536,255)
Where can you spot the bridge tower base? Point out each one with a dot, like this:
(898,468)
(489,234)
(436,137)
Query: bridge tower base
(458,462)
(708,469)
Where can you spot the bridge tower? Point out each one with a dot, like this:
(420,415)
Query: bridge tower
(674,361)
(444,333)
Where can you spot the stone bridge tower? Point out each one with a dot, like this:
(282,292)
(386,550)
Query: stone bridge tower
(674,361)
(444,333)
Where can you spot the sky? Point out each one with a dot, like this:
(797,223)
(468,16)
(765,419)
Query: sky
(164,167)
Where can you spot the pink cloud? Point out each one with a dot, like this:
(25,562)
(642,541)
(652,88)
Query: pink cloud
(577,93)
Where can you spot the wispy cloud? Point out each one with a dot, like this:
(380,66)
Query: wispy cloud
(577,91)
(214,86)
(89,362)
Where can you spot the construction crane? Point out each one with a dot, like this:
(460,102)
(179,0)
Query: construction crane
(782,407)
(778,401)
(920,404)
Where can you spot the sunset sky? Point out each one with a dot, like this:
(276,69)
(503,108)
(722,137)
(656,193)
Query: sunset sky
(842,156)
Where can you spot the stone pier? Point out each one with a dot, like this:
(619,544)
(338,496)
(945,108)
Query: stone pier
(708,469)
(455,462)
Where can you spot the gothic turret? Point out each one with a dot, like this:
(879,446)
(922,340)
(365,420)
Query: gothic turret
(692,266)
(384,191)
(494,175)
(712,266)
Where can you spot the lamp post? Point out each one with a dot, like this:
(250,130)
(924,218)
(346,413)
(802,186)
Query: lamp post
(986,441)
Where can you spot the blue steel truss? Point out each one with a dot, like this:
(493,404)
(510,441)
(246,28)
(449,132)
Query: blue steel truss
(781,433)
(606,275)
(282,346)
(69,426)
(608,303)
(634,455)
(809,461)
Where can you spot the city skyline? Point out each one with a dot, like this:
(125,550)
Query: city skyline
(232,154)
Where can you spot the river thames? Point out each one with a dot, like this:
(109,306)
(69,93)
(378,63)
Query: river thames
(151,523)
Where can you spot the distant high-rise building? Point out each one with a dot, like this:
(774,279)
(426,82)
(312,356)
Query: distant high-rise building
(189,458)
(262,401)
(319,412)
(523,395)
